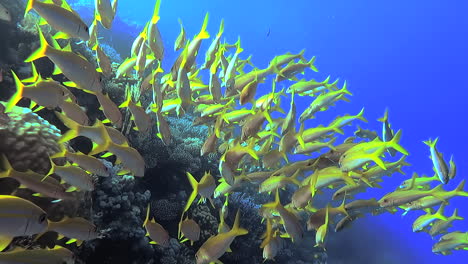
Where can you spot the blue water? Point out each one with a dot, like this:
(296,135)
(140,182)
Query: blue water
(409,56)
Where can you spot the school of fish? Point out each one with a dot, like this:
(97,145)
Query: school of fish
(258,142)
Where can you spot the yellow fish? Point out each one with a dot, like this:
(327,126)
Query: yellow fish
(217,245)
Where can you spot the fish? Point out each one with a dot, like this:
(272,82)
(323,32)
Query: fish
(441,225)
(401,197)
(306,87)
(164,131)
(230,73)
(73,175)
(155,231)
(366,134)
(139,116)
(104,62)
(387,132)
(323,101)
(217,245)
(47,93)
(110,110)
(73,111)
(62,19)
(440,166)
(210,55)
(181,39)
(88,163)
(322,231)
(77,69)
(19,217)
(317,219)
(346,221)
(77,229)
(425,220)
(40,184)
(205,188)
(291,223)
(445,245)
(55,255)
(281,60)
(272,243)
(5,14)
(278,182)
(290,70)
(430,201)
(190,230)
(362,153)
(104,12)
(155,41)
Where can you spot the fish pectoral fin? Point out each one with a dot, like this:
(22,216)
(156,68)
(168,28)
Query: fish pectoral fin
(229,249)
(61,35)
(5,240)
(71,240)
(153,243)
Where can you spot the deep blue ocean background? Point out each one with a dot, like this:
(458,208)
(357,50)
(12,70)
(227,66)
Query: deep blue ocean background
(409,56)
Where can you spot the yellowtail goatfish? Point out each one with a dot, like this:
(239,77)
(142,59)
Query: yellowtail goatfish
(217,245)
(77,69)
(60,18)
(19,217)
(440,167)
(56,255)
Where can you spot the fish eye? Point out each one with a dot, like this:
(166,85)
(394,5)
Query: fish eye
(42,218)
(385,200)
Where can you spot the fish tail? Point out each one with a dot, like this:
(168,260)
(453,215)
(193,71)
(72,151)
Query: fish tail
(238,47)
(35,76)
(42,50)
(236,229)
(394,143)
(311,64)
(17,95)
(301,54)
(276,203)
(455,215)
(156,17)
(431,143)
(459,190)
(127,101)
(6,166)
(361,117)
(221,29)
(203,33)
(375,157)
(74,127)
(194,184)
(29,6)
(250,149)
(147,215)
(385,117)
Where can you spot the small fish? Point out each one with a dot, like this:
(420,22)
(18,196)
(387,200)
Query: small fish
(190,230)
(322,231)
(164,131)
(42,185)
(77,69)
(440,166)
(104,62)
(452,241)
(387,132)
(401,197)
(441,225)
(346,221)
(56,255)
(104,12)
(205,188)
(86,162)
(62,19)
(290,70)
(181,39)
(217,245)
(110,110)
(155,41)
(210,55)
(290,221)
(77,229)
(73,175)
(274,183)
(139,116)
(19,217)
(155,231)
